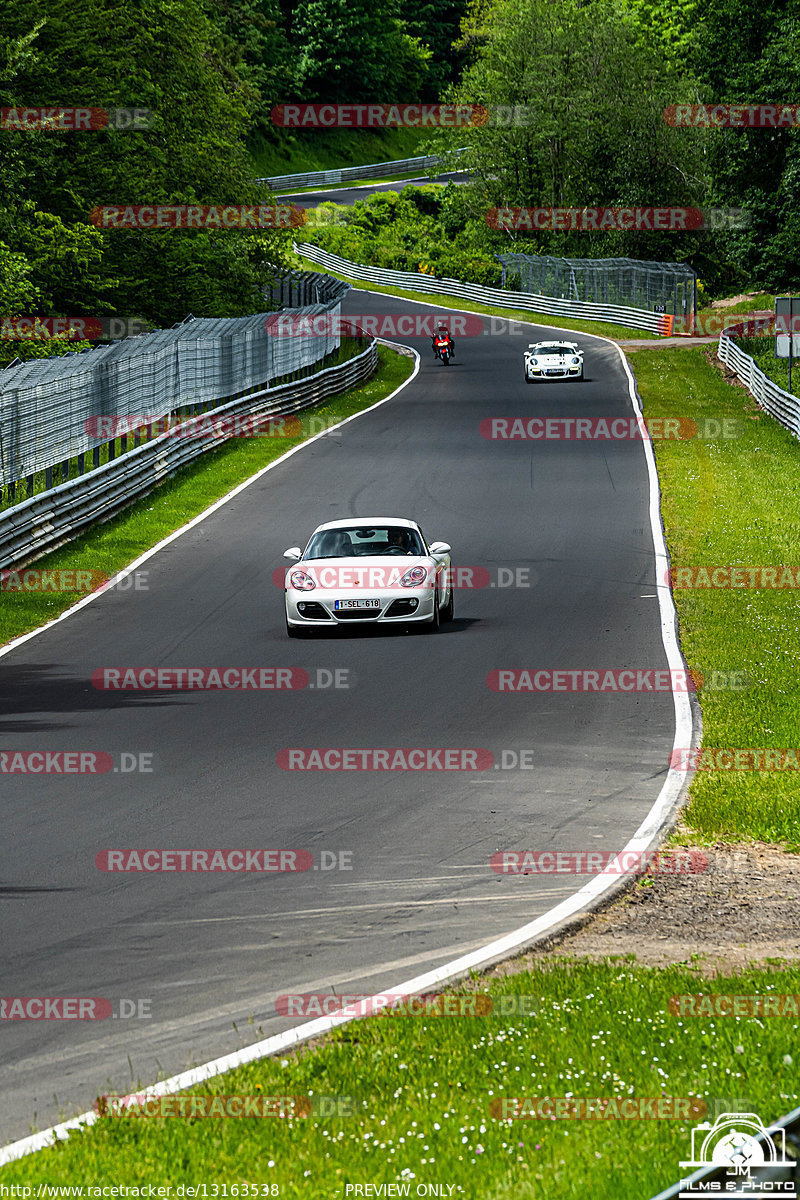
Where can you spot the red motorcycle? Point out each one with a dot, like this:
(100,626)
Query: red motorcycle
(443,348)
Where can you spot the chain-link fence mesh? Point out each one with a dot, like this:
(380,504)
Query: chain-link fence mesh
(49,408)
(635,283)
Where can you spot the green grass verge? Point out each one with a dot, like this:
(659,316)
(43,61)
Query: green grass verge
(110,547)
(294,152)
(732,501)
(602,328)
(420,1091)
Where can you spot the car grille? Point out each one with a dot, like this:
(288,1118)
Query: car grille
(364,614)
(313,611)
(402,608)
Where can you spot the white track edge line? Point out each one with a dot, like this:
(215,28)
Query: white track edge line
(651,828)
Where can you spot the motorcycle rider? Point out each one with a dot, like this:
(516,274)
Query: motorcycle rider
(441,339)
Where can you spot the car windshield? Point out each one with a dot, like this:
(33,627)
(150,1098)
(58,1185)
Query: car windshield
(361,540)
(549,349)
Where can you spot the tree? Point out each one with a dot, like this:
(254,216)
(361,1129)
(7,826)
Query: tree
(436,24)
(592,88)
(258,48)
(166,56)
(357,50)
(757,169)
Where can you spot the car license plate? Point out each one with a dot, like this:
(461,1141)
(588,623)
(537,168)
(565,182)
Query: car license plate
(356,603)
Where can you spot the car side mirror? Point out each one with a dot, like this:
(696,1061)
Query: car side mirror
(440,548)
(293,553)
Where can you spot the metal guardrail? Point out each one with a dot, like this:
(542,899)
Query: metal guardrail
(635,318)
(785,1173)
(55,516)
(783,406)
(423,162)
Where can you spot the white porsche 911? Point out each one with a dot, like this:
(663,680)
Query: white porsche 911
(368,570)
(553,360)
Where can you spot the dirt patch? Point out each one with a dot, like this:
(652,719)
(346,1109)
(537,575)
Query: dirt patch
(731,300)
(743,908)
(666,342)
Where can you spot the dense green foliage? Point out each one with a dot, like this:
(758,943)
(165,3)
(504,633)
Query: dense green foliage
(594,76)
(429,229)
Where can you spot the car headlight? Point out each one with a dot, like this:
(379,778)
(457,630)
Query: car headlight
(534,362)
(576,362)
(414,578)
(301,581)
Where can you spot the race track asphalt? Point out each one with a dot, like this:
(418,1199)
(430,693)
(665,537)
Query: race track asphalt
(211,952)
(349,195)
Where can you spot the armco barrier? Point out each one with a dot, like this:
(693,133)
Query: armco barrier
(635,318)
(783,406)
(423,162)
(55,516)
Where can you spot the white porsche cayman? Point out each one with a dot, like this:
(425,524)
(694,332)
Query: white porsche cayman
(370,571)
(553,360)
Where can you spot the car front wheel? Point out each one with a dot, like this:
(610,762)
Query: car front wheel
(432,626)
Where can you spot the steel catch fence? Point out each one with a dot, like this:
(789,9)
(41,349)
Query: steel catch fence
(502,298)
(54,517)
(639,283)
(51,409)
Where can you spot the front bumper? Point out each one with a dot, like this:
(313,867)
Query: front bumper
(554,372)
(400,606)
